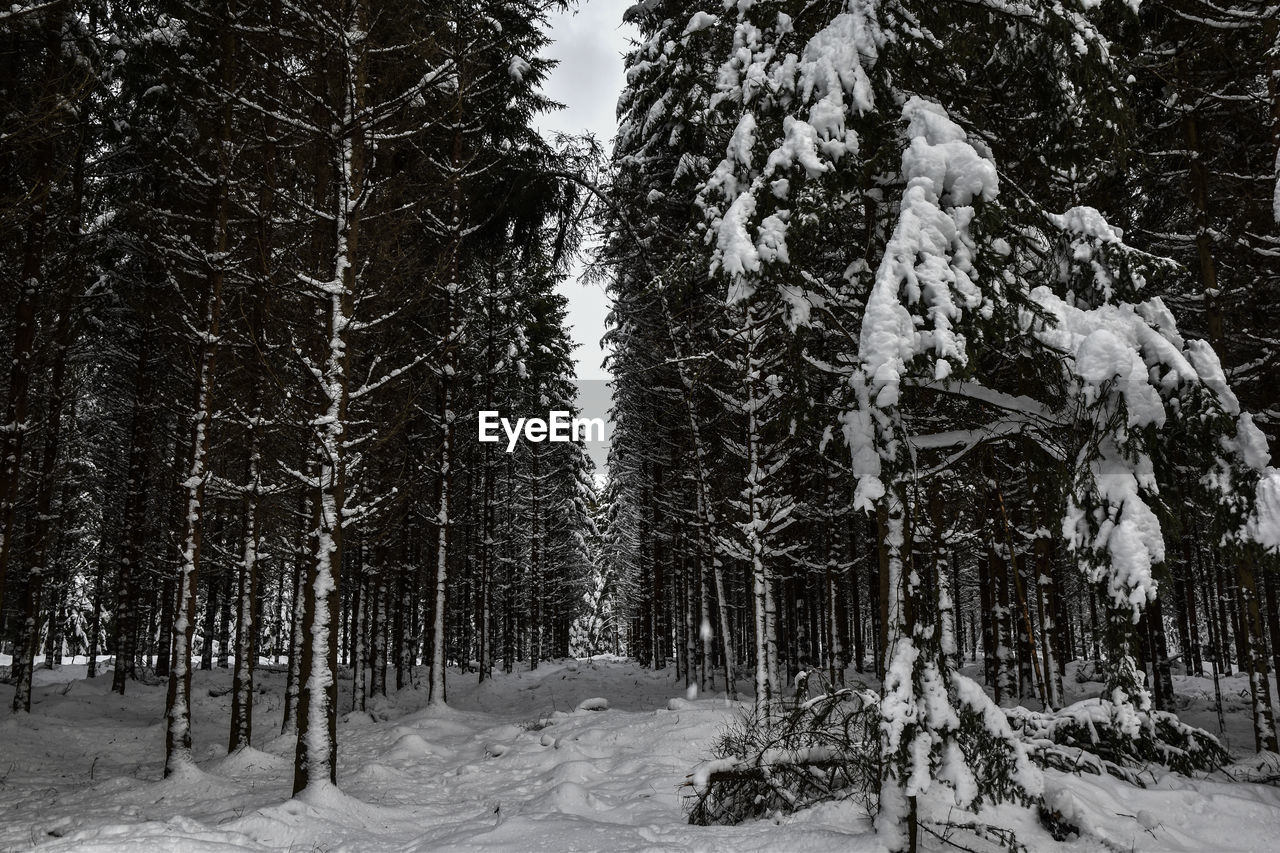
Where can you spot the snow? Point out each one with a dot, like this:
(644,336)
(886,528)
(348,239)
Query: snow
(833,66)
(1128,529)
(923,286)
(505,768)
(928,260)
(518,68)
(502,768)
(817,94)
(699,22)
(1263,525)
(1251,444)
(1275,198)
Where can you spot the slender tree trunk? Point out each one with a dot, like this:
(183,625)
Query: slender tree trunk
(247,582)
(164,644)
(1269,580)
(688,590)
(178,701)
(1204,246)
(536,569)
(1044,614)
(900,617)
(212,603)
(1264,724)
(768,690)
(986,614)
(436,693)
(1225,627)
(509,628)
(485,653)
(293,677)
(378,631)
(855,596)
(706,636)
(225,601)
(247,626)
(1184,596)
(658,629)
(835,651)
(134,534)
(316,759)
(95,614)
(403,640)
(359,630)
(1160,663)
(453,287)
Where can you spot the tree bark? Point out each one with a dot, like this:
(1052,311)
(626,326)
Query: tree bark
(1264,724)
(135,530)
(246,584)
(316,759)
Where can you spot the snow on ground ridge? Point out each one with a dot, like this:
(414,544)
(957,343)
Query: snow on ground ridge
(516,764)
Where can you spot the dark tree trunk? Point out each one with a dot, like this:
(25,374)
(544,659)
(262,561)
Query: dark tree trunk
(291,684)
(211,606)
(95,615)
(135,526)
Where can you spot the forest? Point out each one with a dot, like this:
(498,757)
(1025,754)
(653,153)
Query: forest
(944,339)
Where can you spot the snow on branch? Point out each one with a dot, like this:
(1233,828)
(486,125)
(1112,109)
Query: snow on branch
(798,109)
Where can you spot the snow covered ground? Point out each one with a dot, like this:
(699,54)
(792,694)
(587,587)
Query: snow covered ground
(510,766)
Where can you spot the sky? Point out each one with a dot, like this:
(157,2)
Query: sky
(589,44)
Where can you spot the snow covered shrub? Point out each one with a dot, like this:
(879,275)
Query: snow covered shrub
(827,748)
(1099,736)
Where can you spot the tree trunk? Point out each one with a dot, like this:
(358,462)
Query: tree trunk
(1204,247)
(178,698)
(1264,724)
(247,582)
(95,615)
(363,617)
(1160,664)
(859,645)
(316,759)
(294,676)
(212,603)
(900,617)
(378,628)
(1044,611)
(436,694)
(1269,580)
(134,534)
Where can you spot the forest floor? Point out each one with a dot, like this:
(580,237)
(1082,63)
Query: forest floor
(510,765)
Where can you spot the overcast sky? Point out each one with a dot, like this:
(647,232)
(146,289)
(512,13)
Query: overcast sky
(589,45)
